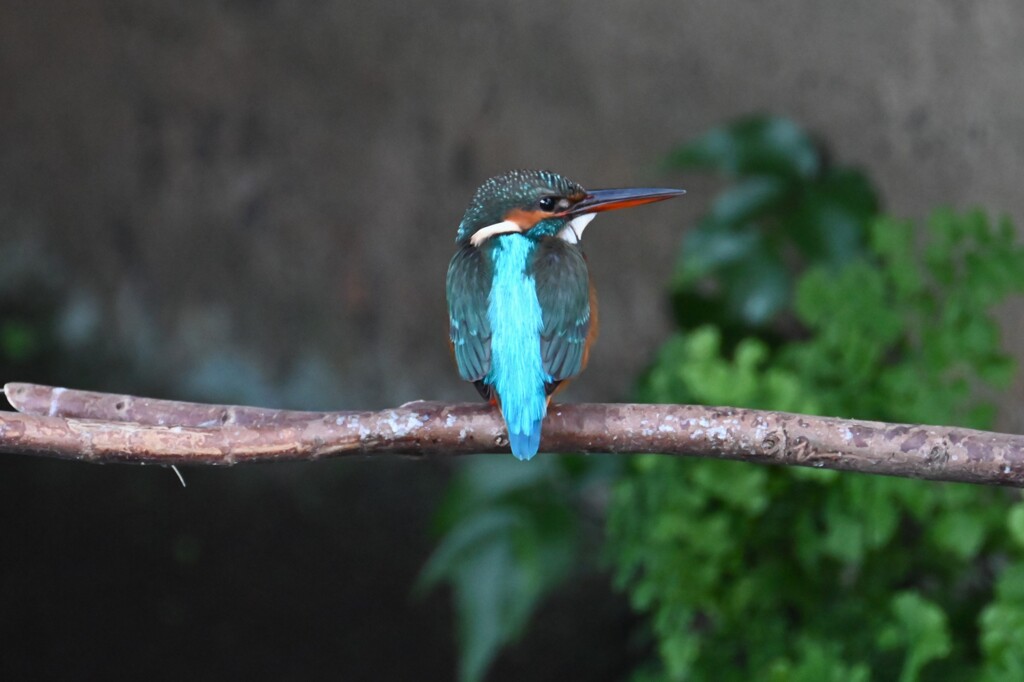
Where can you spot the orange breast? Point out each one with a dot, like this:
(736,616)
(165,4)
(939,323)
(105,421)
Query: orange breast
(594,324)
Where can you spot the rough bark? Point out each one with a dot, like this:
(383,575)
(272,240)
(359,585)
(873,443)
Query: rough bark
(102,428)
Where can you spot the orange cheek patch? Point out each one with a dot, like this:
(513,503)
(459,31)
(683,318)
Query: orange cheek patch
(525,219)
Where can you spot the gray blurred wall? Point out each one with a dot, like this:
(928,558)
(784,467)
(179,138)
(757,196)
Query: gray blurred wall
(259,198)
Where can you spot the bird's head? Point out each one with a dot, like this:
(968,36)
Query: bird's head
(541,204)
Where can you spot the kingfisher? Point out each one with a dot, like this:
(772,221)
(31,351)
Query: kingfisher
(521,307)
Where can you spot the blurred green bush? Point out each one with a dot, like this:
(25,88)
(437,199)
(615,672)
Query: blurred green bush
(792,293)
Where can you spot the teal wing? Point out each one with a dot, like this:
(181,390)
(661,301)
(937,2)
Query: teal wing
(468,288)
(563,290)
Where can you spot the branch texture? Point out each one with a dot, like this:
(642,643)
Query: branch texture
(103,428)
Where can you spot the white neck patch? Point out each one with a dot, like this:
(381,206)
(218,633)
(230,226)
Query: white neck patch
(573,230)
(485,233)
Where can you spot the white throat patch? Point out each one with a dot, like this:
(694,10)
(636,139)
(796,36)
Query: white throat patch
(573,230)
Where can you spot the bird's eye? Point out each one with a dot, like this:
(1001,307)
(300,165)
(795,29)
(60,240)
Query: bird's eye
(547,203)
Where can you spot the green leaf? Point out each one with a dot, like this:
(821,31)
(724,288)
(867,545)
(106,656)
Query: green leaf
(500,562)
(893,241)
(1002,640)
(920,627)
(18,340)
(1002,626)
(752,146)
(493,600)
(817,662)
(844,538)
(744,490)
(466,540)
(713,244)
(748,200)
(757,288)
(830,220)
(1010,586)
(1015,523)
(497,477)
(960,531)
(510,539)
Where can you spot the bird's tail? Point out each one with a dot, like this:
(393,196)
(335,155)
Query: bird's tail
(525,445)
(523,418)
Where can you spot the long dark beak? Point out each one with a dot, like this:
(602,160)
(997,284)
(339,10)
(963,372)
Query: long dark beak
(610,199)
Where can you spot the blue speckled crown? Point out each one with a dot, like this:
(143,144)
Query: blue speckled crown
(514,189)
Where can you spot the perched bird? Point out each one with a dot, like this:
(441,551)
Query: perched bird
(520,304)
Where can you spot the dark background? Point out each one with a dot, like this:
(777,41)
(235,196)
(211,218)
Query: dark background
(256,202)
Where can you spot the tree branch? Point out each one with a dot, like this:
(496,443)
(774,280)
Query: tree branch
(101,427)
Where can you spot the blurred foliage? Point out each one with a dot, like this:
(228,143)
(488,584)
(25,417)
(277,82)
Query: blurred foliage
(52,331)
(791,294)
(785,207)
(27,343)
(513,533)
(789,574)
(18,340)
